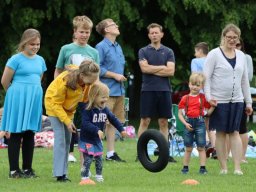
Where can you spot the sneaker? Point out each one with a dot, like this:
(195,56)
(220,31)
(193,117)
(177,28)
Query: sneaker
(99,178)
(16,174)
(209,151)
(63,178)
(171,160)
(184,170)
(87,182)
(115,157)
(71,158)
(214,155)
(223,172)
(29,173)
(238,172)
(202,171)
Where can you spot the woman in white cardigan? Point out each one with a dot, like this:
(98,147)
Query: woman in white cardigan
(227,82)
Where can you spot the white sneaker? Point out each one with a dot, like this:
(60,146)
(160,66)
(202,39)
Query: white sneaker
(71,158)
(238,172)
(223,172)
(99,178)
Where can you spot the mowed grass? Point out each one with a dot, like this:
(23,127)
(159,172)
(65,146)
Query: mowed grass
(130,176)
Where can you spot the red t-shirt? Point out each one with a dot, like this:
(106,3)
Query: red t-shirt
(193,105)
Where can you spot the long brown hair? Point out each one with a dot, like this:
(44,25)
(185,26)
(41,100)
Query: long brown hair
(87,68)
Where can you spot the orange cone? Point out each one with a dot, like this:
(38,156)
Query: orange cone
(190,182)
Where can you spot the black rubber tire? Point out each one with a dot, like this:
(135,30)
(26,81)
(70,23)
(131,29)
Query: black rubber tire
(142,151)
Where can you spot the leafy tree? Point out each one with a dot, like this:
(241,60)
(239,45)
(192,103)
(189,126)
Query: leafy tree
(185,23)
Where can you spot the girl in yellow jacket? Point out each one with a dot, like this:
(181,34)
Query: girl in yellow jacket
(61,100)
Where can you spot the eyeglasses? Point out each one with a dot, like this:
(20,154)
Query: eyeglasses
(112,24)
(232,38)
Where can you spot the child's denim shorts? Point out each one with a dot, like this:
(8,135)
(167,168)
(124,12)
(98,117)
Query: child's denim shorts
(198,134)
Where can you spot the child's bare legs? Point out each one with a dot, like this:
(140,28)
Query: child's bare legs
(236,149)
(187,156)
(186,160)
(202,156)
(221,149)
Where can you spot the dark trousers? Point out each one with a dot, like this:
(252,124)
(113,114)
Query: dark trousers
(14,143)
(73,141)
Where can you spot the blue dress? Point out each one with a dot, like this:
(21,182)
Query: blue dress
(23,100)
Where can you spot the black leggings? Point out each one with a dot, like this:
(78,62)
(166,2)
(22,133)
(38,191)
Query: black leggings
(14,143)
(73,141)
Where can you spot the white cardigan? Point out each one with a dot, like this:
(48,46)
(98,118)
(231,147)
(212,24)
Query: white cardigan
(225,83)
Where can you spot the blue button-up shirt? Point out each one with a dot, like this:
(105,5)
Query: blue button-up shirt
(111,59)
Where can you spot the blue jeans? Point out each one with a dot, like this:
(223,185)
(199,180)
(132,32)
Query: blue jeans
(62,138)
(198,134)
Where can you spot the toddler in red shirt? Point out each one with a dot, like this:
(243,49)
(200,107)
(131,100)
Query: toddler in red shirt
(192,110)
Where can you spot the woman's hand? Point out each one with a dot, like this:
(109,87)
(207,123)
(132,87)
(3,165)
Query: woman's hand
(71,127)
(248,110)
(213,102)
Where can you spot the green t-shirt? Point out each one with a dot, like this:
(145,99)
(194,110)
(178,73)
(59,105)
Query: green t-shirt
(75,54)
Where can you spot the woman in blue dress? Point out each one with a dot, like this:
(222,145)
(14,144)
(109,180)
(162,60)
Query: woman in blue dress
(23,102)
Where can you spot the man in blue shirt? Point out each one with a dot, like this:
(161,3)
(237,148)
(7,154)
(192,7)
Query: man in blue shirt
(112,63)
(157,63)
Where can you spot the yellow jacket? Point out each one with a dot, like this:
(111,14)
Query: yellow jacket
(61,102)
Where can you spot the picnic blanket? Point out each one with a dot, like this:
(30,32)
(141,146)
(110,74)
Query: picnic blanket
(179,149)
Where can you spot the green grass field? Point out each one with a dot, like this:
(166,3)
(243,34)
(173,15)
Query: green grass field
(130,176)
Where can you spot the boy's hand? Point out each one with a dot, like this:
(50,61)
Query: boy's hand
(71,127)
(124,134)
(189,127)
(101,134)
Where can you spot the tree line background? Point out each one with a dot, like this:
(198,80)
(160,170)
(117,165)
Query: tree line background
(185,23)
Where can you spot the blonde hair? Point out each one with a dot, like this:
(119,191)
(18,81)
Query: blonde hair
(83,22)
(87,68)
(100,27)
(154,25)
(227,28)
(96,90)
(197,78)
(27,36)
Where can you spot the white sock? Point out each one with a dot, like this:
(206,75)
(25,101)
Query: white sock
(110,153)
